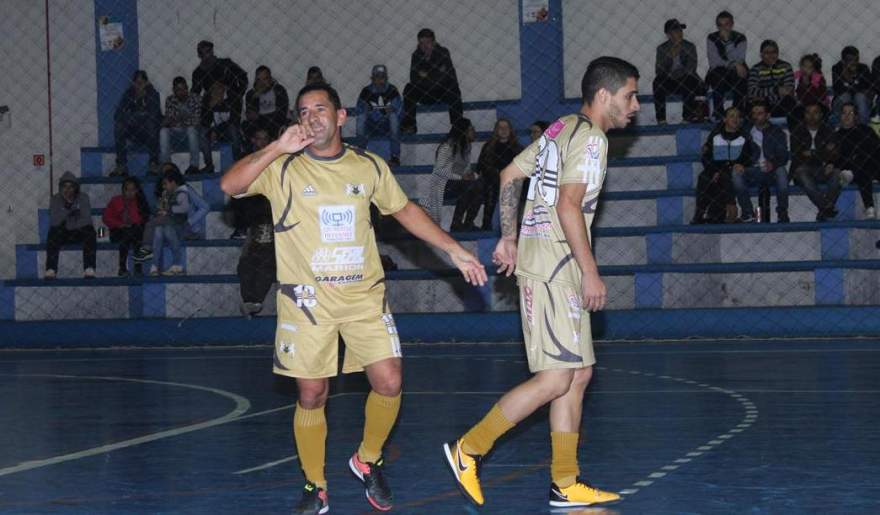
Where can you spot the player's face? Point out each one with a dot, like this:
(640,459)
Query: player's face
(316,108)
(623,105)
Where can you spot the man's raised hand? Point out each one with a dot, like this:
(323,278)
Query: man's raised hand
(295,138)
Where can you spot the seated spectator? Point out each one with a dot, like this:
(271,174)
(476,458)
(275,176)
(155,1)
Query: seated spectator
(676,74)
(453,158)
(125,216)
(728,149)
(379,112)
(219,70)
(772,80)
(240,212)
(771,153)
(137,120)
(432,80)
(810,86)
(813,154)
(266,105)
(726,52)
(875,81)
(851,82)
(858,147)
(536,129)
(219,124)
(169,223)
(70,221)
(183,114)
(497,153)
(314,75)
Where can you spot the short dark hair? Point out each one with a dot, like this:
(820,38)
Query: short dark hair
(723,15)
(426,33)
(759,102)
(204,45)
(140,74)
(172,173)
(769,43)
(263,68)
(178,80)
(849,51)
(319,86)
(729,109)
(608,73)
(851,104)
(816,105)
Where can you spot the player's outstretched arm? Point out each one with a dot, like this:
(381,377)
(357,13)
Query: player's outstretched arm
(417,222)
(508,202)
(245,171)
(571,217)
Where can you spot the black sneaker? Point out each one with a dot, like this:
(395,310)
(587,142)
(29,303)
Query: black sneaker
(375,487)
(238,234)
(142,254)
(314,501)
(191,170)
(207,169)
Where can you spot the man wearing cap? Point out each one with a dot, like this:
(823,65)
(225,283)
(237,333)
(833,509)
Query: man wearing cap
(379,111)
(676,73)
(432,80)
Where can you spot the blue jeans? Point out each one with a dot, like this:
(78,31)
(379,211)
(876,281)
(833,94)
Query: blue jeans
(755,176)
(169,135)
(169,233)
(387,124)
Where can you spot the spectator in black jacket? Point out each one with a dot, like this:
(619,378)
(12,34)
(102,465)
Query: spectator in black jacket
(813,154)
(378,109)
(770,157)
(432,80)
(266,106)
(859,148)
(727,150)
(726,53)
(772,80)
(676,74)
(851,81)
(137,119)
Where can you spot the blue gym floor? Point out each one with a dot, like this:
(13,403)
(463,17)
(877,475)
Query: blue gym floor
(776,427)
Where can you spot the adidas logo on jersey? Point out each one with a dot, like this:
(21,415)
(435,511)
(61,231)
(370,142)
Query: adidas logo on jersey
(309,191)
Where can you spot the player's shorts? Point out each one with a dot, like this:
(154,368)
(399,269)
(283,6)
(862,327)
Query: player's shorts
(555,326)
(309,351)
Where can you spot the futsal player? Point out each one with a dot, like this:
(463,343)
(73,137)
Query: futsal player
(331,279)
(558,281)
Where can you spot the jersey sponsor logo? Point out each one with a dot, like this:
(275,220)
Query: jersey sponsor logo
(591,167)
(536,224)
(545,181)
(309,191)
(304,296)
(528,301)
(355,190)
(339,279)
(338,259)
(337,223)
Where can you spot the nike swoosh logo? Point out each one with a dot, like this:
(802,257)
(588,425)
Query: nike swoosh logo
(461,466)
(560,494)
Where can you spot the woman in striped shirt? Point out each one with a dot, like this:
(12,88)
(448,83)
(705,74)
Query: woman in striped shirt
(453,158)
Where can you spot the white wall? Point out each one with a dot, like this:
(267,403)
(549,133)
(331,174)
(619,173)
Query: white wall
(344,38)
(632,29)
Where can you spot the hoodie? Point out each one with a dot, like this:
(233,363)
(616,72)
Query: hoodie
(73,215)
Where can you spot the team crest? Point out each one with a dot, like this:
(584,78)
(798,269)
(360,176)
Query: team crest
(355,190)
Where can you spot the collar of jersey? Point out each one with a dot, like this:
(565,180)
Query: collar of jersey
(331,158)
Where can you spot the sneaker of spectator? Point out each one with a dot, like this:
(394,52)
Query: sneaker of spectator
(154,271)
(50,274)
(174,270)
(238,234)
(870,214)
(142,254)
(89,273)
(250,309)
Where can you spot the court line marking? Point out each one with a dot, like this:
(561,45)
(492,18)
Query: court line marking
(267,465)
(242,405)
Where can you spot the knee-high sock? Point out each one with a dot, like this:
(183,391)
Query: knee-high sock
(564,465)
(380,416)
(480,439)
(310,433)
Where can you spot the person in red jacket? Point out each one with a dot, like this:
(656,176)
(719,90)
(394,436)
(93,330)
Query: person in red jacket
(125,216)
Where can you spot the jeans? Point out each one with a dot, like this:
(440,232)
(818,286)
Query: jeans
(61,235)
(808,175)
(863,106)
(756,176)
(228,133)
(138,130)
(723,80)
(386,124)
(688,86)
(169,135)
(169,233)
(427,92)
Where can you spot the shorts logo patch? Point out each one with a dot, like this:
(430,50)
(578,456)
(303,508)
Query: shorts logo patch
(574,306)
(391,327)
(288,348)
(528,301)
(337,223)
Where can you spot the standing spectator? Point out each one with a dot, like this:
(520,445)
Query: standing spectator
(169,223)
(432,80)
(810,85)
(813,154)
(242,212)
(851,81)
(453,158)
(125,216)
(875,80)
(676,74)
(137,119)
(183,114)
(70,221)
(314,75)
(212,69)
(771,150)
(497,153)
(858,148)
(726,51)
(727,150)
(379,111)
(219,124)
(266,105)
(772,80)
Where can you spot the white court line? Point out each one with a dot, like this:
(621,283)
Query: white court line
(267,465)
(242,405)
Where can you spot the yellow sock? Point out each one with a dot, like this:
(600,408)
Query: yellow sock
(381,414)
(481,437)
(564,465)
(310,433)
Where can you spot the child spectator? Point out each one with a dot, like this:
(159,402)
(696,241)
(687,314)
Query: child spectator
(453,158)
(125,216)
(169,223)
(137,119)
(183,111)
(810,86)
(70,221)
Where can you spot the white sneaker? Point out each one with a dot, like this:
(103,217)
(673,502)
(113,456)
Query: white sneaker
(89,273)
(50,274)
(846,177)
(870,214)
(174,270)
(153,271)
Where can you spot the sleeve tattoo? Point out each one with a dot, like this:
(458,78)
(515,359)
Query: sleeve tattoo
(509,206)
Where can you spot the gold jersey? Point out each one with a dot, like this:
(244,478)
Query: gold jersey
(571,151)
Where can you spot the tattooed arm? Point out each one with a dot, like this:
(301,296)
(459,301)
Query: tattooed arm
(245,171)
(509,194)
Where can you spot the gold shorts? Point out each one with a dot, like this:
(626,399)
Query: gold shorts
(555,326)
(310,351)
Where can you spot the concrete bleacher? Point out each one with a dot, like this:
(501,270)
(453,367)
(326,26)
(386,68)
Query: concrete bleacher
(648,255)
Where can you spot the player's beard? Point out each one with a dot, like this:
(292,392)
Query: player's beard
(619,119)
